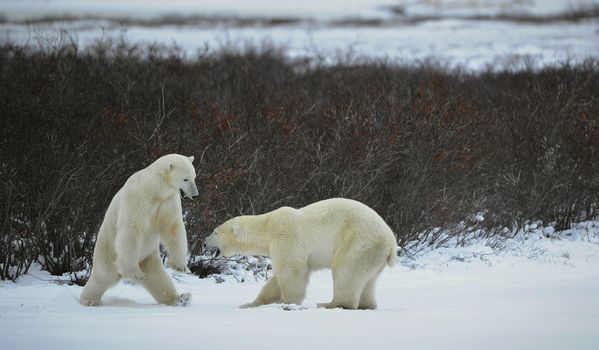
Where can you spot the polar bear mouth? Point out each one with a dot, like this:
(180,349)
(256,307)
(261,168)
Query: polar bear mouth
(182,194)
(185,195)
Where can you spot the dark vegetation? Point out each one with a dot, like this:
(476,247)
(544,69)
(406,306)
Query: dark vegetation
(425,147)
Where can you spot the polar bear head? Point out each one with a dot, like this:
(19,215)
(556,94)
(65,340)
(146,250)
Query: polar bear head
(243,235)
(179,174)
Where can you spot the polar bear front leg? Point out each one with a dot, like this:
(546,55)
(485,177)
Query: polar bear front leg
(127,261)
(270,293)
(174,239)
(293,282)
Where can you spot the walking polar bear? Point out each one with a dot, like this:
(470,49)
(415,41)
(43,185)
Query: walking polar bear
(342,234)
(143,213)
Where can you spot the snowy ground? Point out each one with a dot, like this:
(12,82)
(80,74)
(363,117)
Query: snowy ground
(540,292)
(404,31)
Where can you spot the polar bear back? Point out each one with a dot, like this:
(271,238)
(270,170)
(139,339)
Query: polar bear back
(322,227)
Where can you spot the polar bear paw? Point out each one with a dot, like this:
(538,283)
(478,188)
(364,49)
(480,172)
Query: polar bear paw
(179,267)
(328,306)
(134,275)
(251,305)
(334,305)
(183,299)
(88,302)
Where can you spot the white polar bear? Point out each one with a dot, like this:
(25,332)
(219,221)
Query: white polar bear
(342,234)
(143,213)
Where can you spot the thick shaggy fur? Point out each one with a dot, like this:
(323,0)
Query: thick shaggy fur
(145,212)
(341,234)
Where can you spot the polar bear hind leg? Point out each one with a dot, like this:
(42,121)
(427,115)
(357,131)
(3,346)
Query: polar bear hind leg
(355,272)
(368,299)
(96,286)
(347,288)
(159,283)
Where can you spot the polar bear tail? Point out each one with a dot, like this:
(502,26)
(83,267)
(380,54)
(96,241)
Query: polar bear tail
(391,257)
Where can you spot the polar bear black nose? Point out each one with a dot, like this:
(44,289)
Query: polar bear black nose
(214,251)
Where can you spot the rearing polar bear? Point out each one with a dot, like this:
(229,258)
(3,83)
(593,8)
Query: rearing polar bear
(143,213)
(342,234)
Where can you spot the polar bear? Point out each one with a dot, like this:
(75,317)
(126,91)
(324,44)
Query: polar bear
(341,234)
(143,213)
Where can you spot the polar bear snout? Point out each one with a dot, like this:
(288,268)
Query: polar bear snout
(189,196)
(211,245)
(194,191)
(214,251)
(189,190)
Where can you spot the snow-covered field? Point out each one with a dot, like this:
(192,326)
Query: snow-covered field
(404,31)
(540,292)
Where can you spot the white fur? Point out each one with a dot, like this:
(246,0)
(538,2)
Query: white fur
(145,212)
(341,234)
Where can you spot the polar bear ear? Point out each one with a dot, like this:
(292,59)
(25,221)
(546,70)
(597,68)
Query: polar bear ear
(240,233)
(191,159)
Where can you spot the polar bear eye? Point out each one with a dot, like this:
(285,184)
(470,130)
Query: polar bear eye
(184,179)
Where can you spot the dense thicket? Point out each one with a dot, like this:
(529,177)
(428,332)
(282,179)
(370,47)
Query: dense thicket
(424,147)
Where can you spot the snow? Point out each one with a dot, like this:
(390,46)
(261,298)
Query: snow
(30,9)
(492,7)
(330,29)
(539,291)
(307,9)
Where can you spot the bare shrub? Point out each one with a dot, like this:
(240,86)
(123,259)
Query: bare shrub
(423,146)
